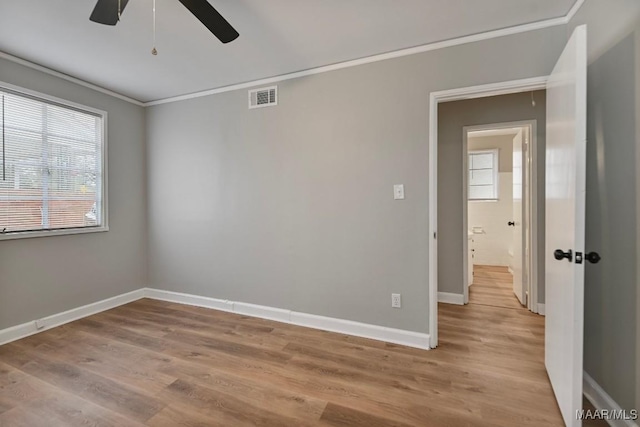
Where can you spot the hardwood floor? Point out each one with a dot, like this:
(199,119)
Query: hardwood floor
(153,363)
(492,286)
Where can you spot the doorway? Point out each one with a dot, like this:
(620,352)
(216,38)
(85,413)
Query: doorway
(564,218)
(500,219)
(446,238)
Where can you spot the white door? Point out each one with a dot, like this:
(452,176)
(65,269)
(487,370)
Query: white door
(516,221)
(565,199)
(527,204)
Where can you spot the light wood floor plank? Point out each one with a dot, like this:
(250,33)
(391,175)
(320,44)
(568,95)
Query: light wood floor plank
(38,403)
(163,364)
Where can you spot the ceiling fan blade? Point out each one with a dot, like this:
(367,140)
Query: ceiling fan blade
(211,19)
(106,11)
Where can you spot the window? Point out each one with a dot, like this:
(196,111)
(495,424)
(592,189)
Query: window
(483,175)
(51,166)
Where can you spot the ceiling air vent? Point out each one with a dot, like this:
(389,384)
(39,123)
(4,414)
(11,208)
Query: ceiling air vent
(263,97)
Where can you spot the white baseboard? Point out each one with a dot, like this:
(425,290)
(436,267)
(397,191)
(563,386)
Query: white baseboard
(365,330)
(26,329)
(263,312)
(600,399)
(541,309)
(188,299)
(449,298)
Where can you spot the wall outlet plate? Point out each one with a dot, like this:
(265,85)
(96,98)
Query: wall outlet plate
(398,192)
(396,301)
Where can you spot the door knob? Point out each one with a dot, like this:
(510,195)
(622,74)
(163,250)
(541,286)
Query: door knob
(511,223)
(559,254)
(593,257)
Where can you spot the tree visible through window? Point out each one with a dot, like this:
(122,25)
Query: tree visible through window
(50,165)
(483,175)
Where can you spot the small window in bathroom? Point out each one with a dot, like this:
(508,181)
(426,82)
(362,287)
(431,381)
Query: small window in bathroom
(483,175)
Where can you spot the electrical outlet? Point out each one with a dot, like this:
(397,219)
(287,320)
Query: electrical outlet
(396,301)
(398,192)
(39,324)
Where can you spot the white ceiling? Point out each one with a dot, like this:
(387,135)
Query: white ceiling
(276,37)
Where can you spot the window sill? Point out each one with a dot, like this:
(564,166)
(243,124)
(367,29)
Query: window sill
(46,233)
(483,200)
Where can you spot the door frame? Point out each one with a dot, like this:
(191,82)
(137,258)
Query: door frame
(532,172)
(435,98)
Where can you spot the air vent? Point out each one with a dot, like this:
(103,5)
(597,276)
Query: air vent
(263,97)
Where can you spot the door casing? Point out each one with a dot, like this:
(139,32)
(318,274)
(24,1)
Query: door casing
(494,89)
(532,261)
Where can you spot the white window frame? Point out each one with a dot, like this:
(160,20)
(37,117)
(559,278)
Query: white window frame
(104,172)
(496,166)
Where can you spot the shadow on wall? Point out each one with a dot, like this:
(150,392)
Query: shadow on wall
(612,222)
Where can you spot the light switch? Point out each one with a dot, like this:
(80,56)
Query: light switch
(398,192)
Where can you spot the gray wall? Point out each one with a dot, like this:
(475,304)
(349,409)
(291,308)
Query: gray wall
(613,182)
(47,275)
(452,118)
(292,206)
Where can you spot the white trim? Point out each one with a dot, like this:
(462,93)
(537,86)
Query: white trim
(433,219)
(493,132)
(263,312)
(29,328)
(493,89)
(188,299)
(373,58)
(369,59)
(365,330)
(104,196)
(51,98)
(548,23)
(465,216)
(531,126)
(574,9)
(451,298)
(600,399)
(69,78)
(48,233)
(535,282)
(349,327)
(541,309)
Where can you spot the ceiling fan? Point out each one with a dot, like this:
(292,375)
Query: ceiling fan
(108,12)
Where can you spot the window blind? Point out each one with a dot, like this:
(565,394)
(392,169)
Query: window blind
(51,165)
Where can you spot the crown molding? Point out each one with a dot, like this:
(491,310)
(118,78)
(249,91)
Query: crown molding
(554,22)
(574,9)
(69,78)
(370,59)
(383,56)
